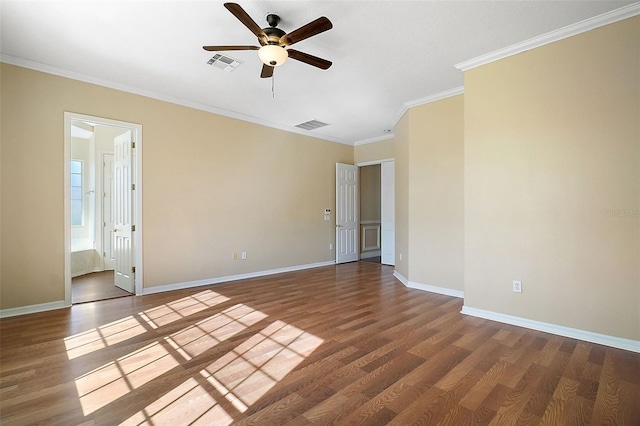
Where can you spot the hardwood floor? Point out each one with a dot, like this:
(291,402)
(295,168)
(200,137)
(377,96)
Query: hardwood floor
(336,345)
(95,286)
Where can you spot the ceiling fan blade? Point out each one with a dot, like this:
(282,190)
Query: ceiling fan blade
(318,26)
(244,17)
(217,48)
(309,59)
(267,71)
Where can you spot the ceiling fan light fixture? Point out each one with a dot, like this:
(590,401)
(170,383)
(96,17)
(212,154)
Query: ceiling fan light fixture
(273,55)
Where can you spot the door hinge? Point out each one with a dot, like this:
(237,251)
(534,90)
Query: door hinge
(133,228)
(133,144)
(133,269)
(133,186)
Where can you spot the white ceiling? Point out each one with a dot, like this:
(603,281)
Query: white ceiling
(385,54)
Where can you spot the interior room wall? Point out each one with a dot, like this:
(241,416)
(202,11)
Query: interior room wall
(429,141)
(212,186)
(552,183)
(370,192)
(436,194)
(401,154)
(374,151)
(370,210)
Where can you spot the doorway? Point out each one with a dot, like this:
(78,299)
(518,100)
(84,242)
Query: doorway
(370,213)
(103,224)
(377,212)
(365,212)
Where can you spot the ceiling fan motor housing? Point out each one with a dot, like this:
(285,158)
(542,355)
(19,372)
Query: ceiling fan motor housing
(273,35)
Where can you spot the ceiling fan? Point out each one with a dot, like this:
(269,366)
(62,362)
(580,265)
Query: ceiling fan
(274,42)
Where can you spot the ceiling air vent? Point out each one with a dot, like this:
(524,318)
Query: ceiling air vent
(223,62)
(311,125)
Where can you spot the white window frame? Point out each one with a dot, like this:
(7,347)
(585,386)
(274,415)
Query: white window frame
(71,186)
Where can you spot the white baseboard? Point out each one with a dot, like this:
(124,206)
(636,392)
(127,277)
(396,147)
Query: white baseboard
(228,278)
(31,309)
(23,310)
(588,336)
(427,287)
(400,278)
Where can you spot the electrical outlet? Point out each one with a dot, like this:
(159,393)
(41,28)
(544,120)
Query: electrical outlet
(244,255)
(517,286)
(400,256)
(234,256)
(330,246)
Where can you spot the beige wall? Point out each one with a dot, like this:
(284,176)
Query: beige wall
(436,194)
(212,185)
(370,192)
(374,151)
(429,145)
(551,146)
(401,154)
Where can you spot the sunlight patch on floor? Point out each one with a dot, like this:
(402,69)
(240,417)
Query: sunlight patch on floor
(186,404)
(126,328)
(248,372)
(181,308)
(103,336)
(111,381)
(238,377)
(204,335)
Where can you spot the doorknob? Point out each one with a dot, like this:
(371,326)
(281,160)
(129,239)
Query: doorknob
(338,225)
(115,229)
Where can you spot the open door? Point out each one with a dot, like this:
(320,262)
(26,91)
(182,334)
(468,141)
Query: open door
(122,212)
(346,213)
(109,256)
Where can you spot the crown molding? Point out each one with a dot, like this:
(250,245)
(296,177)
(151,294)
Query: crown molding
(36,66)
(427,99)
(376,139)
(556,35)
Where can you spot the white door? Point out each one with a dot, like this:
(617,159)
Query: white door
(346,213)
(387,200)
(122,243)
(107,213)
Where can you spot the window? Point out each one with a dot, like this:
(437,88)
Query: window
(76,192)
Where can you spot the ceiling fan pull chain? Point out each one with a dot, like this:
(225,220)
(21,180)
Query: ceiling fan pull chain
(273,92)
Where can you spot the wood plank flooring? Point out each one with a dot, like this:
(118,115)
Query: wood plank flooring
(344,344)
(95,286)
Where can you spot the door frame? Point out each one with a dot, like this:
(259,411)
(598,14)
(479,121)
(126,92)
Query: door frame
(136,131)
(373,163)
